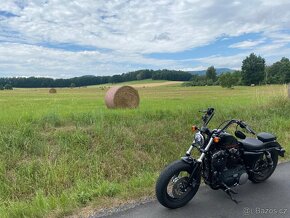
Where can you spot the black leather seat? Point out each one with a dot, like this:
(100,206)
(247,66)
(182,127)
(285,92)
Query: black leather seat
(266,137)
(251,144)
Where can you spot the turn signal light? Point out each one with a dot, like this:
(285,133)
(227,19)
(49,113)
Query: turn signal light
(193,128)
(216,139)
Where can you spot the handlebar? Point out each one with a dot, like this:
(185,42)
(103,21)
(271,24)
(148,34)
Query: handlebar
(248,128)
(209,113)
(241,124)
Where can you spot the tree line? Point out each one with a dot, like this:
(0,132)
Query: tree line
(43,82)
(253,71)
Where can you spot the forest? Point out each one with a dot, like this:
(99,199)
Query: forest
(253,71)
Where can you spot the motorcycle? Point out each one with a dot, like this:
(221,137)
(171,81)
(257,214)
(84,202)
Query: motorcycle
(225,161)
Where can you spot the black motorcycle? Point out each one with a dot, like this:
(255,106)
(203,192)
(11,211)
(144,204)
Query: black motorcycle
(224,163)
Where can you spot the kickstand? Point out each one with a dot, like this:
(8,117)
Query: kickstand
(229,192)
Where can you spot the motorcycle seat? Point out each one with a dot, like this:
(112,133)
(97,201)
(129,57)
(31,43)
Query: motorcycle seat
(251,144)
(266,137)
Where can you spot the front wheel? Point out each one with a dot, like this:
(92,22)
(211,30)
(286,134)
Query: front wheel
(172,188)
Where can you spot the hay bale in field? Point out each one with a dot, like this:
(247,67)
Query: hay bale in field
(52,91)
(122,97)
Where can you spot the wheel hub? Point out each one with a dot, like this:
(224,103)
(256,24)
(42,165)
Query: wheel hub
(180,187)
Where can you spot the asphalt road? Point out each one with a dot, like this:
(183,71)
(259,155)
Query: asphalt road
(268,199)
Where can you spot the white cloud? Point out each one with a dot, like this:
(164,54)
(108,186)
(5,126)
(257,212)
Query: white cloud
(247,44)
(28,59)
(232,61)
(128,30)
(197,68)
(271,52)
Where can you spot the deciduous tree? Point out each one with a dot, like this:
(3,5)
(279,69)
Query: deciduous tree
(211,73)
(253,70)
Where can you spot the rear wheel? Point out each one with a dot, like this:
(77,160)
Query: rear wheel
(172,188)
(264,167)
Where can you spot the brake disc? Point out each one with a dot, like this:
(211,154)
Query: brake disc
(180,187)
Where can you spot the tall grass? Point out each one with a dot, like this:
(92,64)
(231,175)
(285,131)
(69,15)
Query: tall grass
(69,156)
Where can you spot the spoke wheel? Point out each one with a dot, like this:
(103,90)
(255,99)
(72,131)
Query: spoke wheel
(172,188)
(178,186)
(262,169)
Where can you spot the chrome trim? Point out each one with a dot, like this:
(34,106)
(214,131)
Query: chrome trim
(199,136)
(205,150)
(188,152)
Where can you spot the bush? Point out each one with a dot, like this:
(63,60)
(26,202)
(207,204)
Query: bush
(226,80)
(52,91)
(8,87)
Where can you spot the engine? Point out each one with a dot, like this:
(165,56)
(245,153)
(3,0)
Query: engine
(227,168)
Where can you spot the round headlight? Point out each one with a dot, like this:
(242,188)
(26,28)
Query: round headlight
(199,139)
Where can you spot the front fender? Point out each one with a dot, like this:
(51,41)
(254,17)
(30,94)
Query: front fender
(188,159)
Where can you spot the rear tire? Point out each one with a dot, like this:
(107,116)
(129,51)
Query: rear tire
(164,180)
(255,178)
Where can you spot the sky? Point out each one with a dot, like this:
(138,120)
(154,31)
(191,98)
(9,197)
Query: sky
(67,38)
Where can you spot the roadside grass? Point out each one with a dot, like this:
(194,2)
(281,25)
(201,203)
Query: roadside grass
(66,151)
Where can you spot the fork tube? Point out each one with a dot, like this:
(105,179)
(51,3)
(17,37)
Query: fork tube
(205,150)
(188,152)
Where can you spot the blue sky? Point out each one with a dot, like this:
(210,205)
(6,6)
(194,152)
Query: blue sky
(56,38)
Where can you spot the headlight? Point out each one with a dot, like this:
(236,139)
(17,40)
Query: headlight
(199,139)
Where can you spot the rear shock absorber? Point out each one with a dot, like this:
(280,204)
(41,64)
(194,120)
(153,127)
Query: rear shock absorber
(269,158)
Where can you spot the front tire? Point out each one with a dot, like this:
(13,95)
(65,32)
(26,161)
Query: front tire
(177,173)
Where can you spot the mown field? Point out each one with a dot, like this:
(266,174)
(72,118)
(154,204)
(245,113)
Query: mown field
(63,152)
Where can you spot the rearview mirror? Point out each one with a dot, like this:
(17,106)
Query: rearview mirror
(240,134)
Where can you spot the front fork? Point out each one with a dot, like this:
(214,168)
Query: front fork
(203,151)
(196,163)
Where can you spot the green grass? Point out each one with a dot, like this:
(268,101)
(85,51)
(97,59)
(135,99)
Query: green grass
(65,151)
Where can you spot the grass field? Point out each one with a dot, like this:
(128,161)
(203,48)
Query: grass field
(63,152)
(139,83)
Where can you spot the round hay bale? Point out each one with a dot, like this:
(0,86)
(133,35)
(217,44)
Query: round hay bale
(122,97)
(52,91)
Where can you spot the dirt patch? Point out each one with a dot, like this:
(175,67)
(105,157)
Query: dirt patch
(116,206)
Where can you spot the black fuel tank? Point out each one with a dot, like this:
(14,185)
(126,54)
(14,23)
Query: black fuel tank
(228,141)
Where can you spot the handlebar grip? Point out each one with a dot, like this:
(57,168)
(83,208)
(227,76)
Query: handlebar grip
(242,125)
(250,130)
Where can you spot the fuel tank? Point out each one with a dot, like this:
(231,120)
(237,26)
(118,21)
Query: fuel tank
(228,141)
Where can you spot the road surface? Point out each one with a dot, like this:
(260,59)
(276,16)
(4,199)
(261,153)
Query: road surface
(268,199)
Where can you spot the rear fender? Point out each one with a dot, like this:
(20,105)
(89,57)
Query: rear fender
(268,146)
(275,146)
(250,157)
